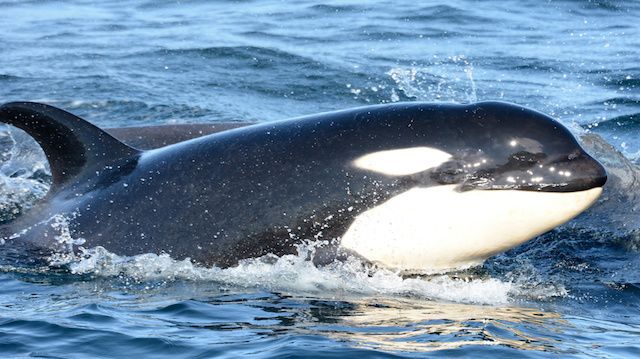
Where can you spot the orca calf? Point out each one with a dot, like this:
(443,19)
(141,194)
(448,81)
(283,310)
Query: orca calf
(409,186)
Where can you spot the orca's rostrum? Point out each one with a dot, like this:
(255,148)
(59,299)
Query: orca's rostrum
(410,186)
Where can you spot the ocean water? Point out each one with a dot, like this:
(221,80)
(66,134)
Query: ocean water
(573,292)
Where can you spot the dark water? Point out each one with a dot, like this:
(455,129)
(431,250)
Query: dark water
(572,292)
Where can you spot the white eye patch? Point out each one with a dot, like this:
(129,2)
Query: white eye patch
(403,161)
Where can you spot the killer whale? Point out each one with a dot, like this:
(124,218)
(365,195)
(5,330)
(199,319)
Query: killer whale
(411,186)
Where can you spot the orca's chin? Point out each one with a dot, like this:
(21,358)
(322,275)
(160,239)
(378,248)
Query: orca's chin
(437,229)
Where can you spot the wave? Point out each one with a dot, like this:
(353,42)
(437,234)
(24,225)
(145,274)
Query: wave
(380,32)
(586,7)
(290,38)
(444,13)
(620,123)
(149,320)
(227,52)
(328,9)
(621,80)
(119,113)
(6,77)
(60,35)
(621,100)
(299,76)
(194,112)
(521,63)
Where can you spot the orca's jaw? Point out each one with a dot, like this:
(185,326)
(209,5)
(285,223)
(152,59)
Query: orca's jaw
(441,228)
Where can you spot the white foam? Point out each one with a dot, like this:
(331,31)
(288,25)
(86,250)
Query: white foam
(295,274)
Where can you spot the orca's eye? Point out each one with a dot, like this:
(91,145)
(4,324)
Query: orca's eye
(523,159)
(479,179)
(527,157)
(449,172)
(574,154)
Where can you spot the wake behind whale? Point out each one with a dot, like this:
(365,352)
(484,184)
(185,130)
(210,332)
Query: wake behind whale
(412,186)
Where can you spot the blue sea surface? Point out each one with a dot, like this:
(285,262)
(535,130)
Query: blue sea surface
(573,292)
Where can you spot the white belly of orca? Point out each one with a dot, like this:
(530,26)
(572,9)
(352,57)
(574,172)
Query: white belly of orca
(438,228)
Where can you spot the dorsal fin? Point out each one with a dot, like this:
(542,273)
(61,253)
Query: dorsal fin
(70,143)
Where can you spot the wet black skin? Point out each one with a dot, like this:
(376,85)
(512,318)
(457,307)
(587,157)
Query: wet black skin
(155,136)
(265,188)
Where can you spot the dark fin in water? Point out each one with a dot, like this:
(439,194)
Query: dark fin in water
(70,143)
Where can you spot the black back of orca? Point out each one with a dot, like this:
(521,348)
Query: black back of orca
(266,188)
(156,136)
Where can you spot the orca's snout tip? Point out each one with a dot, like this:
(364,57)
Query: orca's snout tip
(581,174)
(600,181)
(597,177)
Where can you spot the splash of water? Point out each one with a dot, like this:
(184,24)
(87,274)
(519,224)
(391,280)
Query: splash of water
(297,274)
(450,80)
(23,173)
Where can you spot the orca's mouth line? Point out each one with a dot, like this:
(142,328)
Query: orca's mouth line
(576,185)
(526,173)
